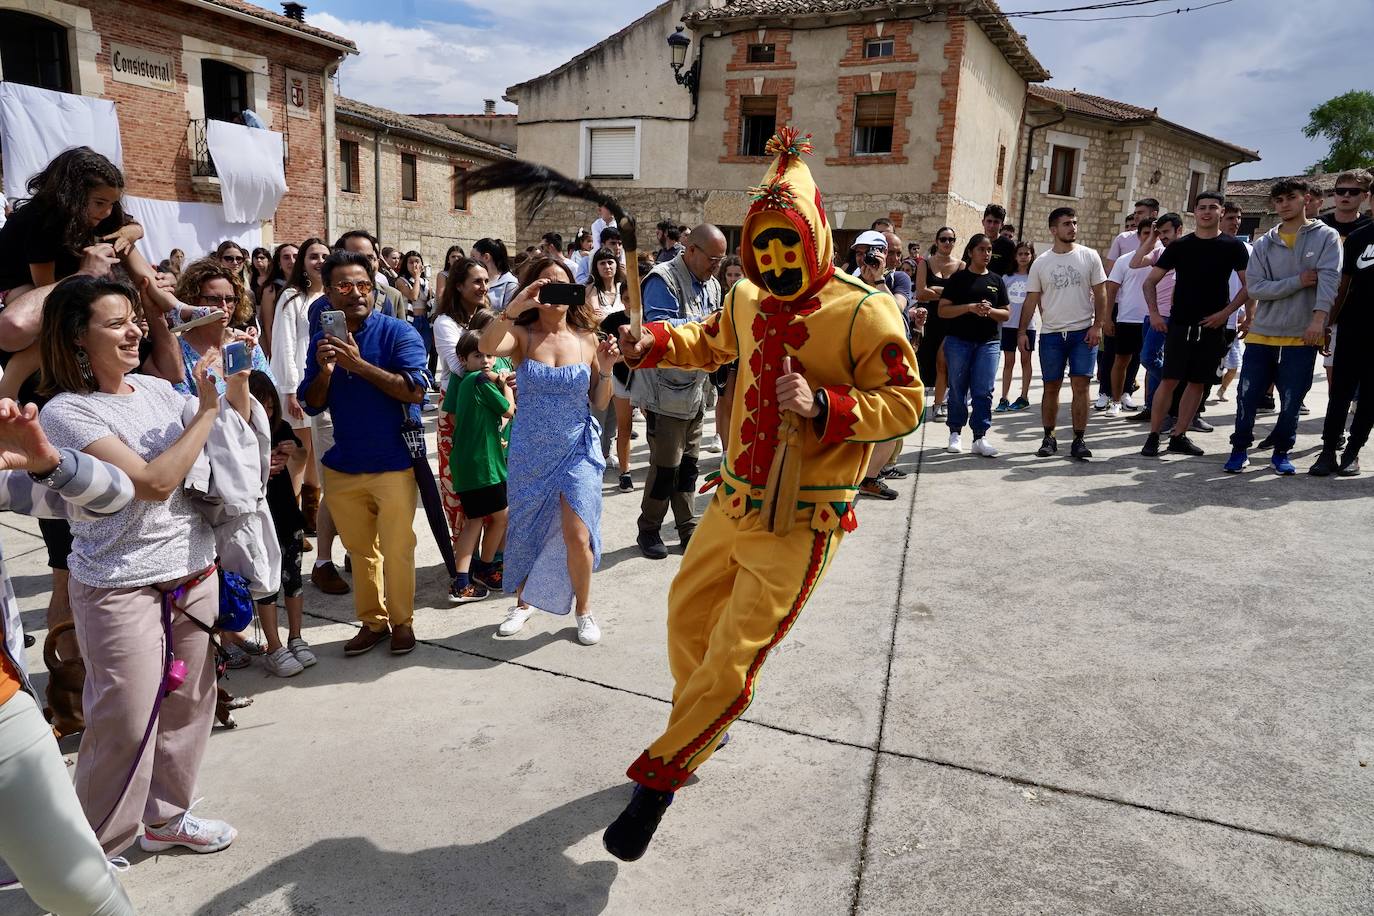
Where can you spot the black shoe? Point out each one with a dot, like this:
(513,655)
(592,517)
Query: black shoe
(892,472)
(1080,450)
(1200,425)
(1143,416)
(1266,443)
(652,546)
(1048,446)
(1267,403)
(1350,465)
(1151,448)
(1182,445)
(1304,410)
(628,837)
(1325,463)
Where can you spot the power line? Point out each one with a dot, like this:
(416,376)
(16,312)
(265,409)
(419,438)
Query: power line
(1049,15)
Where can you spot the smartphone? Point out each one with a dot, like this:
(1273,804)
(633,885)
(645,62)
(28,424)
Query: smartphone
(236,358)
(569,294)
(332,324)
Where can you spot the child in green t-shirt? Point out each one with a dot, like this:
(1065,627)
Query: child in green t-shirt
(481,402)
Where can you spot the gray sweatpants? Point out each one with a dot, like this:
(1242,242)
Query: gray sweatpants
(44,836)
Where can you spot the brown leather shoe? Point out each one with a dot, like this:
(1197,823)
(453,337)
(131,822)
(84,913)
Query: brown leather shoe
(402,639)
(310,506)
(327,579)
(367,638)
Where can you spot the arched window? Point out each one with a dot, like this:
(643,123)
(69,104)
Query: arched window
(226,90)
(33,51)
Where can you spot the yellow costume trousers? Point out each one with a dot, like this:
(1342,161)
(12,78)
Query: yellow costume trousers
(738,593)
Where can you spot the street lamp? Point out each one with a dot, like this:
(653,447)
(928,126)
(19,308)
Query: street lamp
(678,43)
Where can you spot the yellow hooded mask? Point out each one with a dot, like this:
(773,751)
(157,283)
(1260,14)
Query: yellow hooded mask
(786,247)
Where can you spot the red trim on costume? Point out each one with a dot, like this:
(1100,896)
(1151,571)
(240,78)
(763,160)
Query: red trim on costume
(898,373)
(778,333)
(658,330)
(840,418)
(849,521)
(671,775)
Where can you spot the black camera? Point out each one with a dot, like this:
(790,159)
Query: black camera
(873,259)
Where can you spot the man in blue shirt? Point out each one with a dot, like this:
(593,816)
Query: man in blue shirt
(370,381)
(678,291)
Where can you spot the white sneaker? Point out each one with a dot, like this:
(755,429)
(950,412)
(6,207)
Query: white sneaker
(713,445)
(196,834)
(1113,410)
(301,649)
(515,619)
(588,633)
(1101,402)
(282,663)
(981,446)
(956,444)
(1128,402)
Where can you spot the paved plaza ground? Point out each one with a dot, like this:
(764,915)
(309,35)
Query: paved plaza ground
(1027,686)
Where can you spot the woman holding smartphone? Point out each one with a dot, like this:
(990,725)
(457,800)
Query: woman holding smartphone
(555,465)
(208,283)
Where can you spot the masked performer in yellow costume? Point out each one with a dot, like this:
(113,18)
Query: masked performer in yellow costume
(825,372)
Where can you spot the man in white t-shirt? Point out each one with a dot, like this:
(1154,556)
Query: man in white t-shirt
(1068,286)
(604,221)
(1127,328)
(1128,241)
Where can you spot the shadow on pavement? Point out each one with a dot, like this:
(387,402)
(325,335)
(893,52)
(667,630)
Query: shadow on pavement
(524,870)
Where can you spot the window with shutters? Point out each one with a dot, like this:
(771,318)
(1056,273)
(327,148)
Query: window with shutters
(1063,170)
(879,47)
(1001,165)
(350,177)
(460,191)
(873,120)
(612,152)
(33,52)
(1195,188)
(762,54)
(410,179)
(758,122)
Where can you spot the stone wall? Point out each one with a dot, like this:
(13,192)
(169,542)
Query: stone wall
(428,224)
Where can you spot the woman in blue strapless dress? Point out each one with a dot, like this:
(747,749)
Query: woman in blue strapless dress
(555,466)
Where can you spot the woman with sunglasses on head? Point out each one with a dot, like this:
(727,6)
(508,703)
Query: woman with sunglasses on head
(931,276)
(554,485)
(143,585)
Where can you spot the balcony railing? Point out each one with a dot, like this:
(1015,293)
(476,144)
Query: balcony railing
(202,165)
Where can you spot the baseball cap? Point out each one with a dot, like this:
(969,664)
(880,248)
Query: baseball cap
(872,239)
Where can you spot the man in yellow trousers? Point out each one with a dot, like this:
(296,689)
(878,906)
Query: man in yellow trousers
(825,373)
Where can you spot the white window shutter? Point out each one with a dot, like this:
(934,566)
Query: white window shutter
(612,152)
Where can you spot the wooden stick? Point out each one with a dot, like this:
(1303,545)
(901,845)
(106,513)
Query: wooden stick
(633,303)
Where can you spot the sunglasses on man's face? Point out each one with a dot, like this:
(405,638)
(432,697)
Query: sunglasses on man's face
(347,286)
(1347,192)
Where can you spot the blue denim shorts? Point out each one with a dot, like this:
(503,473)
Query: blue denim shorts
(1062,350)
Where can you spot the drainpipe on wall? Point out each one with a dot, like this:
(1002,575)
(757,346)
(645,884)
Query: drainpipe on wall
(1025,175)
(331,179)
(377,180)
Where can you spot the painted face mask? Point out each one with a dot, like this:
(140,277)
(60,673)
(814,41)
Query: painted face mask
(787,249)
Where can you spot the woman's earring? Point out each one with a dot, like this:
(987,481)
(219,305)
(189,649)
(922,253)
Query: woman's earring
(83,363)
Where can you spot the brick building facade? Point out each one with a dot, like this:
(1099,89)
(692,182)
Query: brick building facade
(221,56)
(399,177)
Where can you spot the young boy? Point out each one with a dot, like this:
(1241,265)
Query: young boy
(478,463)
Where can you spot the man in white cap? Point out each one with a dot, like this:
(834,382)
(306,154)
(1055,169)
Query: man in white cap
(868,260)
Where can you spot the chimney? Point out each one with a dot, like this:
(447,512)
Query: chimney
(294,11)
(489,106)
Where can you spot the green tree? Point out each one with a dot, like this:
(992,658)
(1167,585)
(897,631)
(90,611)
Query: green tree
(1347,121)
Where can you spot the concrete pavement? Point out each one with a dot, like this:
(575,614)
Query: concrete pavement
(1027,686)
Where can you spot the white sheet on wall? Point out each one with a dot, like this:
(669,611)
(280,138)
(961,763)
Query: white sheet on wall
(248,161)
(195,228)
(37,124)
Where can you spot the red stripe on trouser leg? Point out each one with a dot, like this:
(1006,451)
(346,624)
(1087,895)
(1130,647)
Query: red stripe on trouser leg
(453,509)
(723,620)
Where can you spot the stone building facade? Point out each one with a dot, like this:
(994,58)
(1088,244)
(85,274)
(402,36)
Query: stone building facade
(399,177)
(211,58)
(1100,156)
(1257,212)
(914,108)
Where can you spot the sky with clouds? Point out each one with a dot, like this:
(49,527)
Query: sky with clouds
(1240,70)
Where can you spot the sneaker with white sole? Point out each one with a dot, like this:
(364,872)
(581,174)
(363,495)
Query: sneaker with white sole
(956,444)
(515,620)
(981,446)
(1101,402)
(588,633)
(713,445)
(282,663)
(197,834)
(301,649)
(1113,410)
(1128,402)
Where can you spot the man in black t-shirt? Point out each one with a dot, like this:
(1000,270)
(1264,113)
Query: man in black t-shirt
(1350,194)
(1352,368)
(1003,261)
(1202,262)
